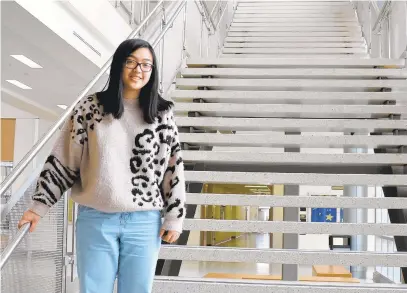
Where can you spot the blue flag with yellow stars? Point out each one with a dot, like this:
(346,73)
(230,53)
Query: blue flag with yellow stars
(323,215)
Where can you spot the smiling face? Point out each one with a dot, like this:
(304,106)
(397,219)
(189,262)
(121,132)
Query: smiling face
(137,70)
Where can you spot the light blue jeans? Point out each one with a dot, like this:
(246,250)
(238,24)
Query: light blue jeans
(125,245)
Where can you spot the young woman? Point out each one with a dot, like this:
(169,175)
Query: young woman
(121,155)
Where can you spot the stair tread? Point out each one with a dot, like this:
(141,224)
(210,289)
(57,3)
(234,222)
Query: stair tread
(278,140)
(298,23)
(279,124)
(256,255)
(350,56)
(297,201)
(293,45)
(287,97)
(248,226)
(301,51)
(262,84)
(276,40)
(298,28)
(297,159)
(204,285)
(292,111)
(293,34)
(282,73)
(266,62)
(280,21)
(296,178)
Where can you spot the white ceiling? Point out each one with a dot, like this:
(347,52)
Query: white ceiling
(65,71)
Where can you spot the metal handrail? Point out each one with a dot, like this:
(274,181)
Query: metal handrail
(6,184)
(383,14)
(223,13)
(5,209)
(5,255)
(209,14)
(203,14)
(168,24)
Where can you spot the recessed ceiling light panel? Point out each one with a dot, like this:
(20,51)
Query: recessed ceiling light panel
(19,84)
(27,61)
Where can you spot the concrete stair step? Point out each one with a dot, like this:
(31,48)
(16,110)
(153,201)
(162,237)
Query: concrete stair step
(297,45)
(285,84)
(297,201)
(294,72)
(300,51)
(289,97)
(290,141)
(281,256)
(315,16)
(292,125)
(291,111)
(303,7)
(311,4)
(297,23)
(320,179)
(293,34)
(311,40)
(293,159)
(290,29)
(295,63)
(282,21)
(293,11)
(353,56)
(296,12)
(294,227)
(201,285)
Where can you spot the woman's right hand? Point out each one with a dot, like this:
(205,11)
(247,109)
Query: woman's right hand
(29,217)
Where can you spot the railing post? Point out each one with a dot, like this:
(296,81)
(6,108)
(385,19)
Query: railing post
(369,48)
(200,41)
(132,13)
(389,47)
(65,241)
(163,23)
(184,33)
(141,9)
(73,256)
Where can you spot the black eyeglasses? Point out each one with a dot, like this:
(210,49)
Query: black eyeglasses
(145,67)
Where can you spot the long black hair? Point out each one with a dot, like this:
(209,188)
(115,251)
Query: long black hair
(150,101)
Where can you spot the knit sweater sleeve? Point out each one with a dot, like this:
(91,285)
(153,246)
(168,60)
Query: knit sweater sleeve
(61,168)
(174,185)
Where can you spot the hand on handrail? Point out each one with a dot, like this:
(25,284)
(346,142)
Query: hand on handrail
(29,217)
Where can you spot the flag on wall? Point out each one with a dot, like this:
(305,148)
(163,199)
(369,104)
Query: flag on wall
(323,215)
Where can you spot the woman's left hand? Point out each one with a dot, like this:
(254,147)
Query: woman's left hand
(170,237)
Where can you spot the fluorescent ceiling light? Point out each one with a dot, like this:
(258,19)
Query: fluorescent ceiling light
(27,61)
(19,84)
(63,106)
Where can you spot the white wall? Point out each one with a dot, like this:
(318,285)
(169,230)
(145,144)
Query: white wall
(29,129)
(398,27)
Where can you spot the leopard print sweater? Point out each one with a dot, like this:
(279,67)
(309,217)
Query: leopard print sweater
(116,165)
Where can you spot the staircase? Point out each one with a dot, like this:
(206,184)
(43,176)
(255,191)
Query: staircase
(292,75)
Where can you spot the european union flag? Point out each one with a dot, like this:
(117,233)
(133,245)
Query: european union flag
(323,215)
